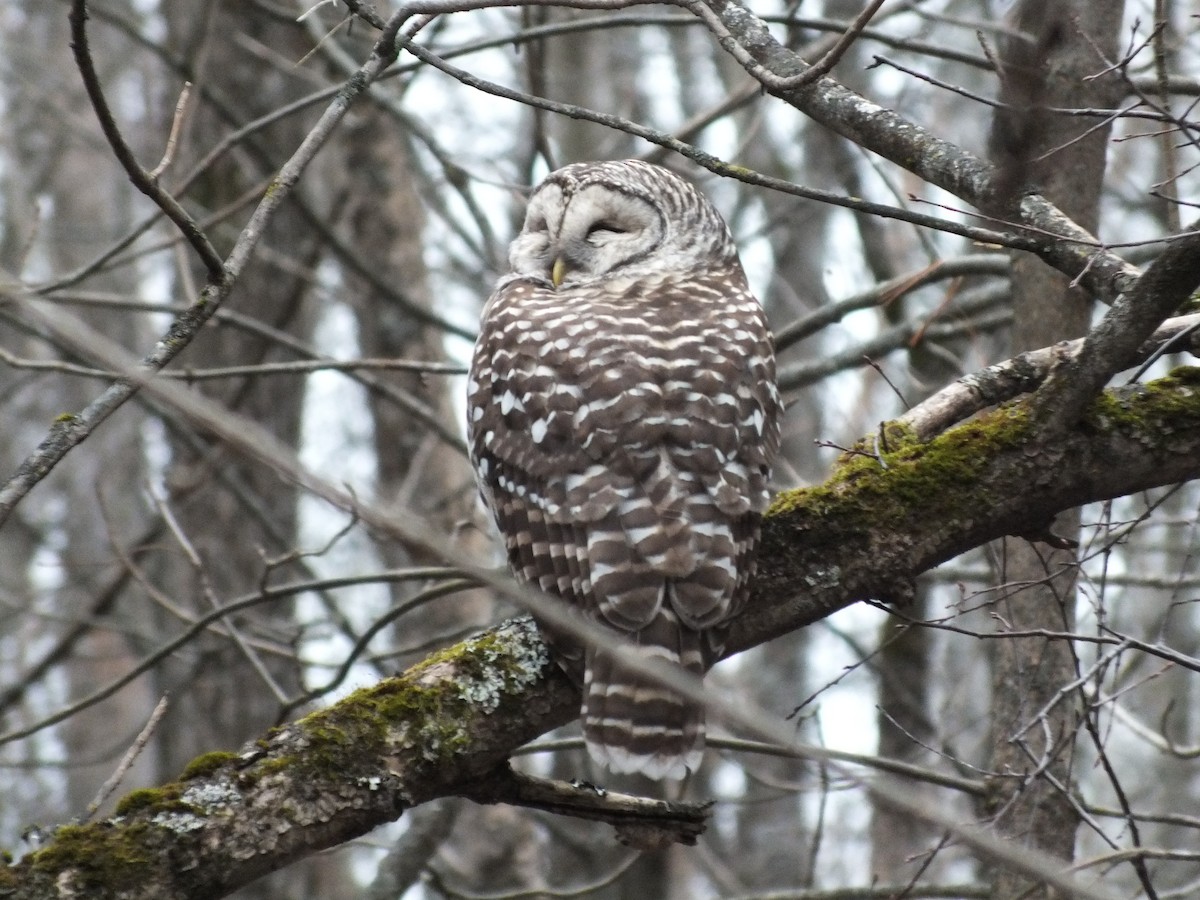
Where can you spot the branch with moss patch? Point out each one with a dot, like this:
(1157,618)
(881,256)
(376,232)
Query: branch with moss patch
(1023,374)
(443,728)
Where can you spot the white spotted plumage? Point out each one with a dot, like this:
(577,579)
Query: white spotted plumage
(623,417)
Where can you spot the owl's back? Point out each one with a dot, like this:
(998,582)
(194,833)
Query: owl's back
(623,429)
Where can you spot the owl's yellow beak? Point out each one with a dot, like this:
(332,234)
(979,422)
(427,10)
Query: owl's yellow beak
(558,271)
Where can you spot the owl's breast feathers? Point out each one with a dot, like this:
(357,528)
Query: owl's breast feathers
(624,440)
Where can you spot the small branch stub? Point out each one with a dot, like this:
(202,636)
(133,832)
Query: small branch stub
(641,822)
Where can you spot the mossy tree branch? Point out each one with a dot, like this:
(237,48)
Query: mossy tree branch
(447,726)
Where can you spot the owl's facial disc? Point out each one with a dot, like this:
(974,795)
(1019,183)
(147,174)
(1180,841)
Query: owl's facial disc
(590,232)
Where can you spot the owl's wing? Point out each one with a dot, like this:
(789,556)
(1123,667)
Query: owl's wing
(619,456)
(519,415)
(624,451)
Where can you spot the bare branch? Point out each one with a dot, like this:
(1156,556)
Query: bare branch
(830,59)
(1112,345)
(173,138)
(70,430)
(884,131)
(145,182)
(1024,374)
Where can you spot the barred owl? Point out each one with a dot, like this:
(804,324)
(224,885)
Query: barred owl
(622,417)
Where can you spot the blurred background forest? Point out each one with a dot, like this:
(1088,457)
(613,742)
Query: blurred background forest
(346,337)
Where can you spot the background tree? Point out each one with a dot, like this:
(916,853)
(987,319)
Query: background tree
(296,220)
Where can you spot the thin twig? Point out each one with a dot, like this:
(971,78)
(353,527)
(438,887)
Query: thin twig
(206,621)
(141,179)
(295,367)
(719,167)
(135,749)
(826,63)
(71,429)
(173,137)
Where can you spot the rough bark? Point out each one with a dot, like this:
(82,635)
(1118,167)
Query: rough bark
(939,162)
(1052,65)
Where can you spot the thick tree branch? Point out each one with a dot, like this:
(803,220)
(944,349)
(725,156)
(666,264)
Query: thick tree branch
(445,726)
(882,520)
(1023,374)
(1112,345)
(1063,244)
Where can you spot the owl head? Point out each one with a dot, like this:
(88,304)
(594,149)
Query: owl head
(627,219)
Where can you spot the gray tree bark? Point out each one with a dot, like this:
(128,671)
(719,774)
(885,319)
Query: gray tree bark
(1033,728)
(235,515)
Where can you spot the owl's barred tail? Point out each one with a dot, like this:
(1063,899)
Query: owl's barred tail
(633,724)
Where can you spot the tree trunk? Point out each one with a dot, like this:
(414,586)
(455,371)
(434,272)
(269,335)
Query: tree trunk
(1033,728)
(235,515)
